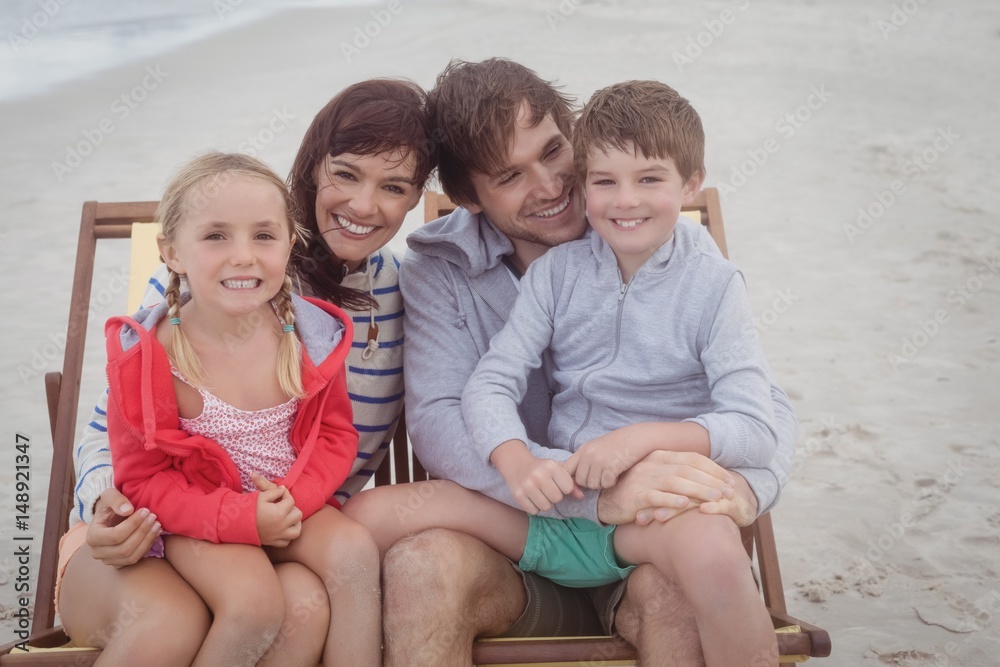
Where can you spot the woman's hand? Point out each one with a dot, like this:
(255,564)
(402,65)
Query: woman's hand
(119,535)
(279,521)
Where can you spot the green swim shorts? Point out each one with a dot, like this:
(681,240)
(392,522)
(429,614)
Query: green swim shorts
(572,552)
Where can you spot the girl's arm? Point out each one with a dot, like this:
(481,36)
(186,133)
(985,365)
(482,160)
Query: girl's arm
(327,462)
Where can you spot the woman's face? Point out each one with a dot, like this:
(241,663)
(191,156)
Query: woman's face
(361,201)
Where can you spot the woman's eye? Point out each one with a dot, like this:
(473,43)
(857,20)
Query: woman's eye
(266,236)
(395,189)
(346,175)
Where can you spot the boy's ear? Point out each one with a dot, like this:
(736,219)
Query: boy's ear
(169,255)
(693,185)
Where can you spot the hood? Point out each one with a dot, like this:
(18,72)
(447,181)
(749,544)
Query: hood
(465,239)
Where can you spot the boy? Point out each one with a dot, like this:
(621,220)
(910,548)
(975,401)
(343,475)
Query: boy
(647,327)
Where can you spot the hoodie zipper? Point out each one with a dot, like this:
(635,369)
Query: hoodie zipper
(614,356)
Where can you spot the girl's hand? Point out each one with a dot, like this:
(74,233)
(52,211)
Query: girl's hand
(536,484)
(279,521)
(598,463)
(119,535)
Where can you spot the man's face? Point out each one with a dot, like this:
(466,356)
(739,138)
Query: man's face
(535,201)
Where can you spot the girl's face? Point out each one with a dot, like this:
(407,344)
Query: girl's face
(361,201)
(232,244)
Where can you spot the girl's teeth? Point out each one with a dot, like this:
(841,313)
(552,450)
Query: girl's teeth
(554,210)
(241,284)
(354,228)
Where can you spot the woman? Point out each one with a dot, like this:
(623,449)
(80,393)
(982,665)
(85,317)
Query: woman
(361,167)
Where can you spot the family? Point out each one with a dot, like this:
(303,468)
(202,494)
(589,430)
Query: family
(582,379)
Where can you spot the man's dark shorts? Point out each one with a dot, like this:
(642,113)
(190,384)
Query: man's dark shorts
(558,611)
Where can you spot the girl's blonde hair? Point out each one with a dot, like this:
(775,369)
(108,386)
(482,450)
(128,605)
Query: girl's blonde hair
(192,188)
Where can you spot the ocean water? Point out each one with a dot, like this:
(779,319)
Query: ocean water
(47,42)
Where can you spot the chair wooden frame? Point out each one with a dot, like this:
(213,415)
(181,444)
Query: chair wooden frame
(114,221)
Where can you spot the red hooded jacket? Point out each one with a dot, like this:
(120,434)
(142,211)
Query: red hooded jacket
(189,481)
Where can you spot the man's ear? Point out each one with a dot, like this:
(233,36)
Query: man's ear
(472,208)
(693,186)
(169,255)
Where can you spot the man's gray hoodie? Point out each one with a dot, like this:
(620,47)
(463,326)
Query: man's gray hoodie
(458,294)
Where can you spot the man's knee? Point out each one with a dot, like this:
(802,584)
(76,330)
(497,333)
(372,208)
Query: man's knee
(651,596)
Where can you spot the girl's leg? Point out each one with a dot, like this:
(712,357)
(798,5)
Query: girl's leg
(307,619)
(343,555)
(144,614)
(704,555)
(238,583)
(393,512)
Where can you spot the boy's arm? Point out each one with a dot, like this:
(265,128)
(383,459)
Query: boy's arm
(741,426)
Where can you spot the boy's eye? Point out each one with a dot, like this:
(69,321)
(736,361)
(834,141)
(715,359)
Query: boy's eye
(650,179)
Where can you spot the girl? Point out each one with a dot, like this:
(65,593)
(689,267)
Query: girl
(213,397)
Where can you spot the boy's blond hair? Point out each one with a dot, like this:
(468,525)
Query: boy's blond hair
(649,115)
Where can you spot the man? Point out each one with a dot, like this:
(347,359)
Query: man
(505,158)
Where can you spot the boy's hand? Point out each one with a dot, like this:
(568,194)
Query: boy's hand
(536,484)
(279,521)
(598,463)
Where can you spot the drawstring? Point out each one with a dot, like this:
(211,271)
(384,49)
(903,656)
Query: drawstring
(372,326)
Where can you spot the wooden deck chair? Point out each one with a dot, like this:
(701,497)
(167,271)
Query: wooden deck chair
(130,221)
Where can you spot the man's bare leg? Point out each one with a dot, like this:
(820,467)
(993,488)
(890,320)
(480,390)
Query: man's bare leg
(442,589)
(656,618)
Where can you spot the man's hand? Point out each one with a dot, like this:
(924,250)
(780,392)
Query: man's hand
(279,521)
(119,535)
(536,484)
(668,482)
(741,508)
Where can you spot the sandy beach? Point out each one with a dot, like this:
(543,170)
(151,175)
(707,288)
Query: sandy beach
(856,148)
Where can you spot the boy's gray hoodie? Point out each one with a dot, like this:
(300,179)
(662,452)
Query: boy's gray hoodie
(458,294)
(676,343)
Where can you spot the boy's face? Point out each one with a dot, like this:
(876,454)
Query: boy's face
(535,200)
(633,202)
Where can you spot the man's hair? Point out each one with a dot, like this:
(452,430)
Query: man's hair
(649,115)
(473,110)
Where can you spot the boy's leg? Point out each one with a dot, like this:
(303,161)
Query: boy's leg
(307,619)
(705,555)
(342,553)
(394,512)
(142,614)
(238,583)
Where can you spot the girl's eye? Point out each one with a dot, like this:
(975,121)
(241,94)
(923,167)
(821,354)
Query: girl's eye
(603,181)
(265,236)
(214,236)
